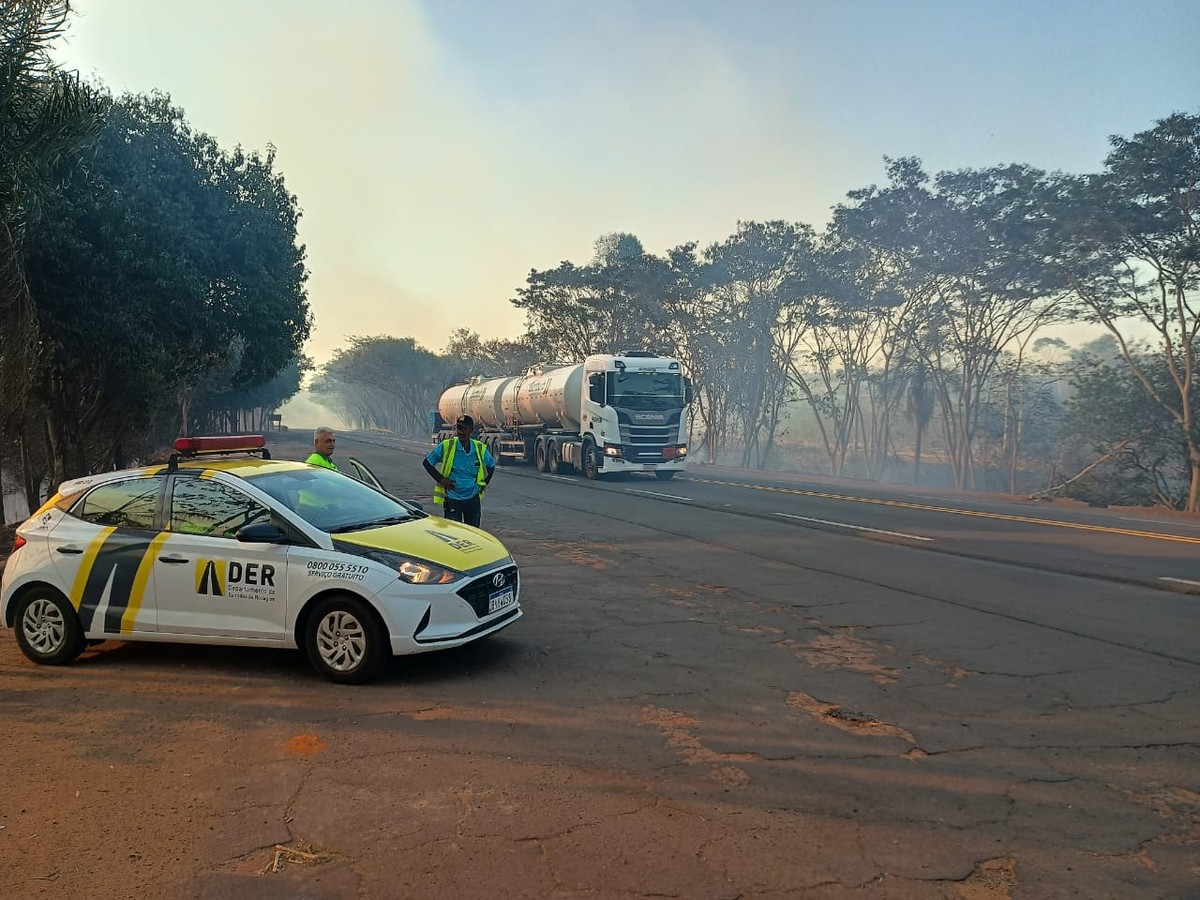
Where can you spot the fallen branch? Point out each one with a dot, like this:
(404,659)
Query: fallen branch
(1038,495)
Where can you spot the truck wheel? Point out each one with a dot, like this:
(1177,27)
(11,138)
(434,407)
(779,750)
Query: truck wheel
(664,476)
(591,461)
(539,456)
(554,463)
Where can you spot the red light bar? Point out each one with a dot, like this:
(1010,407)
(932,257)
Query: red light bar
(230,443)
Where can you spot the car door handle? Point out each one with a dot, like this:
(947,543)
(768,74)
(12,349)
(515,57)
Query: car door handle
(173,559)
(69,549)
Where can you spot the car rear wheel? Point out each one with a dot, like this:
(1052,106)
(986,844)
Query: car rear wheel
(345,641)
(48,630)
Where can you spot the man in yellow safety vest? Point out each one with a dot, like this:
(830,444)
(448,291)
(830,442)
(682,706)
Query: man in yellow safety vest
(462,468)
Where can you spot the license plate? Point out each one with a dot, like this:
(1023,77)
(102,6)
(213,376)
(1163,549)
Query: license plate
(501,599)
(649,467)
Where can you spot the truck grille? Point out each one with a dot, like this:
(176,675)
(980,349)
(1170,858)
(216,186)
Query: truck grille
(645,442)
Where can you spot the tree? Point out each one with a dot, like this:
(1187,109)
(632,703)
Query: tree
(968,248)
(1133,453)
(1129,248)
(45,114)
(383,382)
(164,270)
(468,354)
(759,278)
(614,303)
(250,410)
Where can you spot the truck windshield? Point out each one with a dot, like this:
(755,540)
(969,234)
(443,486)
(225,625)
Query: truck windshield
(657,391)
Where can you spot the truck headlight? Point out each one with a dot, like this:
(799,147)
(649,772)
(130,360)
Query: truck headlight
(613,450)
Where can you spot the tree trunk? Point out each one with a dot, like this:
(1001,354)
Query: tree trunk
(31,482)
(1193,503)
(917,454)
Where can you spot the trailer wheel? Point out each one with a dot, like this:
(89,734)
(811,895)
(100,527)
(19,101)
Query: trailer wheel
(539,455)
(554,462)
(591,461)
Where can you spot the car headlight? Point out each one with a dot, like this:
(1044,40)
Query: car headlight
(413,570)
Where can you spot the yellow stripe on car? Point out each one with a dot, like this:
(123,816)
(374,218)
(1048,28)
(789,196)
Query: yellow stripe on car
(145,567)
(85,566)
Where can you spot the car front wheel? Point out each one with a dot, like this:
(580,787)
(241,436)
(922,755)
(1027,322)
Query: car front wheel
(48,629)
(345,641)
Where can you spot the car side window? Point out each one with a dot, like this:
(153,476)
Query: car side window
(121,504)
(201,506)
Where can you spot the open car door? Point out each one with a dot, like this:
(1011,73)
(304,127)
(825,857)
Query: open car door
(356,468)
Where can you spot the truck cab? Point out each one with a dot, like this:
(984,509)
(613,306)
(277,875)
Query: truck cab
(634,415)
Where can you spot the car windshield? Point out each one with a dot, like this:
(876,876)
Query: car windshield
(331,501)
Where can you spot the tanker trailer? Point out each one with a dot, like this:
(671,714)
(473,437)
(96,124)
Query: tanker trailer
(481,402)
(624,412)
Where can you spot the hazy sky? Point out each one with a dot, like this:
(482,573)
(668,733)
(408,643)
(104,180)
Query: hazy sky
(440,149)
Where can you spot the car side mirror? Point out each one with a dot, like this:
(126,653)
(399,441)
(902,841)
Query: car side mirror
(261,533)
(688,393)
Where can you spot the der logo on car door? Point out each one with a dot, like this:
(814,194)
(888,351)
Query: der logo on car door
(236,579)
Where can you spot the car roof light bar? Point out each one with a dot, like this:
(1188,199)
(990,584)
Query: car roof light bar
(217,445)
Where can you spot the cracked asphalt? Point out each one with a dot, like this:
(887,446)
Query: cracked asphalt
(691,707)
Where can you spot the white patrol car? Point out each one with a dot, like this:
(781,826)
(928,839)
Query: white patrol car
(250,551)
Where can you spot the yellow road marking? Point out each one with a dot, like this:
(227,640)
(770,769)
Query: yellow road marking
(1005,517)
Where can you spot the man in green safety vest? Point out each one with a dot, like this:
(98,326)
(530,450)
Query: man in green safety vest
(462,468)
(323,443)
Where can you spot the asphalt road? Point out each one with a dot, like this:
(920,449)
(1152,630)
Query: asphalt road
(720,689)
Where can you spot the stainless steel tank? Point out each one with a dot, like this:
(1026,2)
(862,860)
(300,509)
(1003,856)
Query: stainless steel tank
(551,398)
(482,401)
(450,404)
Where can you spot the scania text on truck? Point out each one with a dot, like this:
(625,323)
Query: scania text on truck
(623,412)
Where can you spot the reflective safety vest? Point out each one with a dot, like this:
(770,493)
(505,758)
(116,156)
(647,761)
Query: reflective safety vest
(448,447)
(324,462)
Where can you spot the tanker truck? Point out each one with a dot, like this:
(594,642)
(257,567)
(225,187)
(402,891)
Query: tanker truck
(623,412)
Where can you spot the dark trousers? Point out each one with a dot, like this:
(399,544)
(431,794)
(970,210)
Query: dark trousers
(465,511)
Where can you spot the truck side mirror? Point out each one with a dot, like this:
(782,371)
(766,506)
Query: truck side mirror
(596,388)
(688,394)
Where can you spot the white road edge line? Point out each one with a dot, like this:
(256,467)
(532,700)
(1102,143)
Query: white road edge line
(915,537)
(560,477)
(657,494)
(1179,580)
(1167,523)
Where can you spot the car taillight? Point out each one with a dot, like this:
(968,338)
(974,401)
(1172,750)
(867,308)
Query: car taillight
(18,543)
